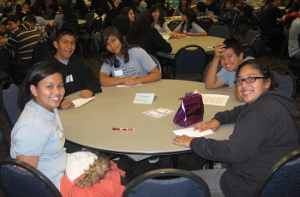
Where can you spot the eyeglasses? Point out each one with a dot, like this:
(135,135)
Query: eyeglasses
(248,80)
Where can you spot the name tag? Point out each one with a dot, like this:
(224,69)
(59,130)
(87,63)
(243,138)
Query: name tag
(118,73)
(69,78)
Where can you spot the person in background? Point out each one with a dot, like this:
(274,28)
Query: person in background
(25,10)
(126,3)
(122,23)
(6,13)
(122,64)
(182,4)
(212,7)
(188,27)
(200,11)
(295,12)
(129,12)
(142,34)
(34,10)
(40,29)
(264,132)
(289,6)
(101,4)
(159,21)
(78,76)
(230,55)
(38,136)
(228,15)
(66,15)
(140,5)
(81,6)
(16,7)
(4,31)
(293,45)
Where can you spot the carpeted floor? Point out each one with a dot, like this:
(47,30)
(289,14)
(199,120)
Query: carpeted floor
(188,161)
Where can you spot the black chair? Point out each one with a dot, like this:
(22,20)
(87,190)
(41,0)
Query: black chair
(235,23)
(285,79)
(249,51)
(4,59)
(167,182)
(26,183)
(157,62)
(254,40)
(96,37)
(283,178)
(205,23)
(219,29)
(173,24)
(41,49)
(8,99)
(189,63)
(74,25)
(96,26)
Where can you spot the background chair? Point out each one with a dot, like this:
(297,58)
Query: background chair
(173,24)
(219,29)
(171,182)
(205,23)
(4,59)
(41,49)
(31,182)
(285,79)
(157,62)
(96,43)
(253,39)
(249,51)
(283,178)
(189,63)
(8,99)
(96,26)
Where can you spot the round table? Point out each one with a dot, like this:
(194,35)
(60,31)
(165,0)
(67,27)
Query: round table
(91,124)
(80,21)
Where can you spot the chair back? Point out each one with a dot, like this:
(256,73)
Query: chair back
(285,79)
(251,34)
(79,14)
(173,24)
(235,22)
(167,182)
(4,58)
(283,178)
(206,69)
(8,99)
(89,17)
(248,10)
(190,59)
(96,25)
(253,38)
(205,23)
(157,62)
(26,183)
(219,29)
(249,51)
(41,49)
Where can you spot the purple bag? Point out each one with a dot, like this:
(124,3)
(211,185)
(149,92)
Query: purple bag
(190,111)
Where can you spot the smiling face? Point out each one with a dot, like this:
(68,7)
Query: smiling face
(228,5)
(250,92)
(49,92)
(184,3)
(229,60)
(12,25)
(26,8)
(114,45)
(131,16)
(155,15)
(65,47)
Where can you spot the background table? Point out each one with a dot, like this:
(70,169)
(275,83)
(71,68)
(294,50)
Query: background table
(80,21)
(203,41)
(91,125)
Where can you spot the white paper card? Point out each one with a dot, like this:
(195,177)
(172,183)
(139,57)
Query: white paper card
(214,99)
(190,132)
(144,98)
(124,86)
(81,101)
(158,113)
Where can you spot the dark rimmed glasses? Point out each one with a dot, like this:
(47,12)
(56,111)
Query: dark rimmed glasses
(248,80)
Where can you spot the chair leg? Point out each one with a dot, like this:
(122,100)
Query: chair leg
(80,48)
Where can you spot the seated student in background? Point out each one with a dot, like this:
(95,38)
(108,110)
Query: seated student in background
(159,21)
(4,31)
(264,132)
(212,7)
(230,55)
(33,23)
(142,34)
(182,4)
(295,11)
(38,136)
(124,64)
(78,76)
(293,46)
(66,15)
(200,11)
(188,27)
(228,14)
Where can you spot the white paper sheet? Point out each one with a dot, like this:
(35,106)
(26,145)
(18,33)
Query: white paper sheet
(215,99)
(190,132)
(124,86)
(81,101)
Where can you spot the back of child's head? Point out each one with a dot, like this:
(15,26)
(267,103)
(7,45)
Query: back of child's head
(30,19)
(64,31)
(201,6)
(15,18)
(233,44)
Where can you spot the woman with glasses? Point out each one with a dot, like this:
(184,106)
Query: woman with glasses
(264,132)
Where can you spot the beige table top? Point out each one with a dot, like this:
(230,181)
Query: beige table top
(80,21)
(91,125)
(206,42)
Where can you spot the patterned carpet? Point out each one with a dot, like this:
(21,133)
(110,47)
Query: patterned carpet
(188,161)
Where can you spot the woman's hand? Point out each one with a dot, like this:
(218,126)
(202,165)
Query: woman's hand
(212,124)
(183,140)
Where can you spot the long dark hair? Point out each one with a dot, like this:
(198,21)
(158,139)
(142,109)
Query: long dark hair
(180,6)
(69,15)
(161,19)
(188,12)
(262,68)
(138,28)
(108,57)
(38,73)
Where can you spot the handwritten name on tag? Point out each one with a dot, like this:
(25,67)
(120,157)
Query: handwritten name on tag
(144,98)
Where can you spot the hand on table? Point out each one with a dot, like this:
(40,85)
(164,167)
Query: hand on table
(66,104)
(132,80)
(86,94)
(183,140)
(212,124)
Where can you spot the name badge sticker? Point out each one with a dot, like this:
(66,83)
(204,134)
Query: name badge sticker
(118,73)
(144,98)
